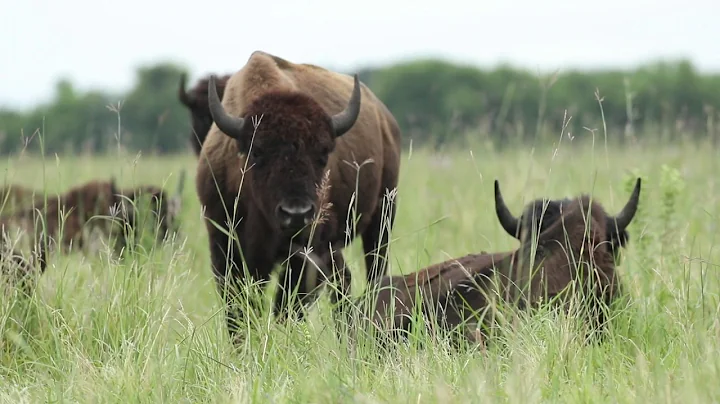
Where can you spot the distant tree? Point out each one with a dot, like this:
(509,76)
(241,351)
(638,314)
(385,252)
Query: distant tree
(435,102)
(154,117)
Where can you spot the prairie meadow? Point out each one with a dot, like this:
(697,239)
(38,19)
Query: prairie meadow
(150,327)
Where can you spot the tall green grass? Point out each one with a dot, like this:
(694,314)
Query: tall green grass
(150,328)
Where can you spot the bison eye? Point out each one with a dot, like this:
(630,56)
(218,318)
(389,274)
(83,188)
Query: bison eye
(255,154)
(322,158)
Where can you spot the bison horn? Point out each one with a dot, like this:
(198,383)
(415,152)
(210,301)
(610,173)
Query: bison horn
(343,121)
(230,125)
(626,215)
(509,222)
(182,94)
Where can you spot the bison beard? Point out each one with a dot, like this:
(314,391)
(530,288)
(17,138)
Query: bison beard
(573,242)
(280,127)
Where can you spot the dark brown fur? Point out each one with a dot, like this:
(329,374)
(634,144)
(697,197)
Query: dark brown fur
(196,102)
(568,250)
(69,212)
(293,147)
(81,204)
(17,270)
(396,296)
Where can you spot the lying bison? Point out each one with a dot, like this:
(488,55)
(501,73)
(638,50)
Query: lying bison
(564,242)
(196,102)
(280,127)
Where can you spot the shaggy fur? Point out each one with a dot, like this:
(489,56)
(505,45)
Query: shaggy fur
(196,102)
(65,220)
(575,246)
(70,213)
(283,160)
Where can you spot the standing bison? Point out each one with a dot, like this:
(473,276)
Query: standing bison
(196,102)
(280,127)
(563,243)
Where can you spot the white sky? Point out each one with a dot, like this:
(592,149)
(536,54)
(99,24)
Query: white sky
(98,43)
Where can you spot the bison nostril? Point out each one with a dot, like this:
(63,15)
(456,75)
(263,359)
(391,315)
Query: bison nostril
(295,211)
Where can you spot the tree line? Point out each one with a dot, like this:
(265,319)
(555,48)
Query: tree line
(437,103)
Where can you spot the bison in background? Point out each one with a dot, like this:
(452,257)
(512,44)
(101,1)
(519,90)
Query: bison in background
(18,271)
(564,244)
(69,213)
(96,208)
(164,209)
(279,129)
(60,221)
(196,102)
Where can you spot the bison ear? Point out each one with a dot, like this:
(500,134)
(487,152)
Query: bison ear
(244,145)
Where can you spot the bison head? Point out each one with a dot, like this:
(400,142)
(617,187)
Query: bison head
(542,213)
(200,117)
(287,138)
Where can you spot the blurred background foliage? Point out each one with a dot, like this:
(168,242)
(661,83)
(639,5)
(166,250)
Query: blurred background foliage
(437,103)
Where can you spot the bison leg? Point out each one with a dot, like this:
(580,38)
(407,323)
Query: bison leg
(341,279)
(293,293)
(229,276)
(302,280)
(376,238)
(340,296)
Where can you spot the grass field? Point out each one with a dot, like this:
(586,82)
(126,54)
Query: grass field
(149,329)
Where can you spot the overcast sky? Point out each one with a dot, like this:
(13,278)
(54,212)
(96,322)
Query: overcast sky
(98,43)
